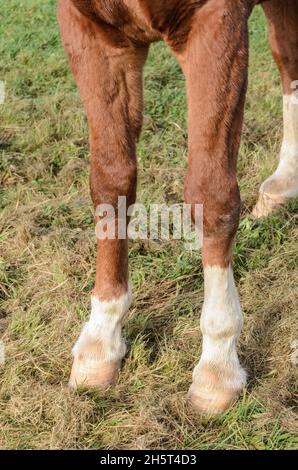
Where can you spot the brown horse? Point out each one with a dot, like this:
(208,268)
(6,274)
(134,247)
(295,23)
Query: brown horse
(107,43)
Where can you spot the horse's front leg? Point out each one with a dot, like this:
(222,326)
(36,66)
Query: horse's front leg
(110,83)
(215,65)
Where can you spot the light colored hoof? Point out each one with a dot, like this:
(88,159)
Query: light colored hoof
(92,374)
(267,204)
(211,402)
(216,388)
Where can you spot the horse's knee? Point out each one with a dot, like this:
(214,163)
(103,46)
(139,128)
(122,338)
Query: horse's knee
(220,198)
(108,183)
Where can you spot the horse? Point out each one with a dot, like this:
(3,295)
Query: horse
(107,43)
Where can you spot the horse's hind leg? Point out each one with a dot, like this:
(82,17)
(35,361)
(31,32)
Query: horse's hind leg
(282,17)
(108,72)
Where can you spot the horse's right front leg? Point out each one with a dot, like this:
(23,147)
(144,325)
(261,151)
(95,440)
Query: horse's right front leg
(110,84)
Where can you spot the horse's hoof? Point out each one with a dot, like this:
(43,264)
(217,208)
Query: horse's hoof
(211,402)
(215,389)
(93,374)
(267,203)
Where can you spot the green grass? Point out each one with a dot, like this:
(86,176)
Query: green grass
(47,262)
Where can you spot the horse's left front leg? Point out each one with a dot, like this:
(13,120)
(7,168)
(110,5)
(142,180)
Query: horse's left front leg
(215,66)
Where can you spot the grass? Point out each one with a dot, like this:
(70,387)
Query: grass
(47,262)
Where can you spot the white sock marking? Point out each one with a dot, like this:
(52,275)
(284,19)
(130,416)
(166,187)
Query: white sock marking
(104,329)
(221,323)
(284,181)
